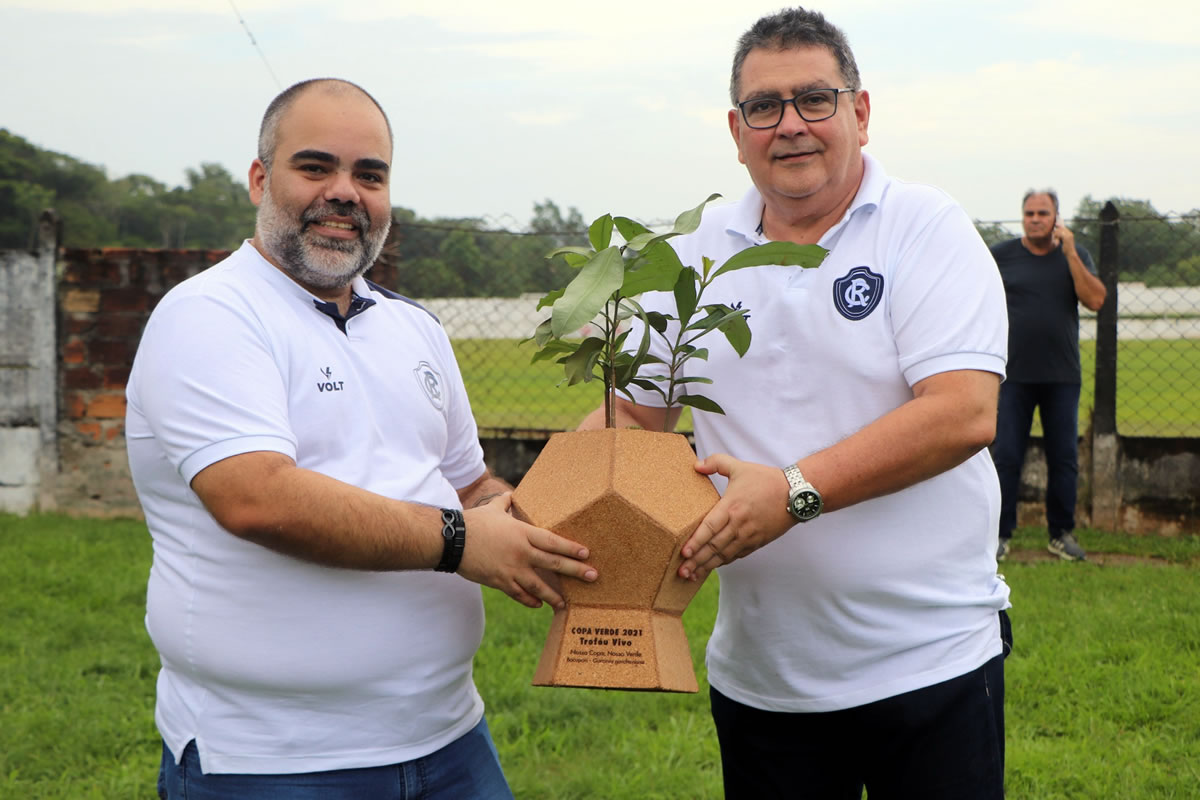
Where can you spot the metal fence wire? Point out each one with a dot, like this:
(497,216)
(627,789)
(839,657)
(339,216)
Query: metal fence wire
(483,281)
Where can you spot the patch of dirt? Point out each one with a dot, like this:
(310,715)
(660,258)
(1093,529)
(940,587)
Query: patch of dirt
(1103,559)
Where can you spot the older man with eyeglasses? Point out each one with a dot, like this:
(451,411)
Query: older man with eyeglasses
(863,646)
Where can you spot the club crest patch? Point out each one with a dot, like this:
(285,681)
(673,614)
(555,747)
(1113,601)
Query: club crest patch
(430,381)
(857,293)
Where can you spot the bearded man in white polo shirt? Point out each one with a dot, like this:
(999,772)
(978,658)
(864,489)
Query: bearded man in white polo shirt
(859,639)
(302,445)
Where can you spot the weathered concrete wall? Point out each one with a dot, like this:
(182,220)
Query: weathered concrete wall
(1130,484)
(28,371)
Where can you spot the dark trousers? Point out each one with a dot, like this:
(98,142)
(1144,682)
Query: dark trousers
(943,742)
(1058,405)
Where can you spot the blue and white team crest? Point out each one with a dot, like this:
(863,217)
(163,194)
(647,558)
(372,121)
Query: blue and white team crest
(430,381)
(857,293)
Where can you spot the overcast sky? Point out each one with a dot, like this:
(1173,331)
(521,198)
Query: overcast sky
(619,106)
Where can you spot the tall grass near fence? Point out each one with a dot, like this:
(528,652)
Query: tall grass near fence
(1103,687)
(1158,387)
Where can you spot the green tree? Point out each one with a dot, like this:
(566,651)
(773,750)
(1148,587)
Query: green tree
(1148,238)
(221,212)
(992,232)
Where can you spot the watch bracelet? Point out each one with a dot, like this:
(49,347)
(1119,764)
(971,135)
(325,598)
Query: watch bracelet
(454,540)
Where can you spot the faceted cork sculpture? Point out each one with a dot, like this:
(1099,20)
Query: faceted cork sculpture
(632,498)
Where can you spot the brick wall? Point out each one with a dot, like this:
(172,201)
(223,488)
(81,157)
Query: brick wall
(105,297)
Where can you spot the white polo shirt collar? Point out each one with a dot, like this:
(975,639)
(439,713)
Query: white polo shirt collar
(746,220)
(360,292)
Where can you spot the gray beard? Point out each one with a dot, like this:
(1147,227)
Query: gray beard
(316,261)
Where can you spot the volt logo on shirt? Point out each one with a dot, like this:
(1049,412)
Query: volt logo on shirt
(329,385)
(857,293)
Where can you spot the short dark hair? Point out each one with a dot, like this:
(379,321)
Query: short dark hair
(268,132)
(795,27)
(1053,195)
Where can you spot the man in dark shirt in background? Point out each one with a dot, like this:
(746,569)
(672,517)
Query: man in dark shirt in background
(1046,276)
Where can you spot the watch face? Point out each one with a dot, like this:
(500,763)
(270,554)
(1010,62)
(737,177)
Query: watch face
(806,505)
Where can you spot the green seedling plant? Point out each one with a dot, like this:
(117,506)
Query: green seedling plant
(610,276)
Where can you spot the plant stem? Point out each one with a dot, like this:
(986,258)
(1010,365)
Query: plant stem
(610,392)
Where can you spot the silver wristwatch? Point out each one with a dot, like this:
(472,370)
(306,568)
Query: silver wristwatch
(804,501)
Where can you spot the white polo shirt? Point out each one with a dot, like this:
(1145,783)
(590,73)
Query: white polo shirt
(892,594)
(272,664)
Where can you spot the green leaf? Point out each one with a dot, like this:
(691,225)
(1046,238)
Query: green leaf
(643,240)
(737,331)
(629,228)
(689,220)
(685,293)
(600,232)
(657,270)
(649,386)
(694,352)
(624,310)
(718,314)
(573,250)
(588,291)
(579,365)
(658,320)
(644,344)
(700,402)
(686,222)
(553,349)
(541,334)
(693,379)
(785,253)
(550,298)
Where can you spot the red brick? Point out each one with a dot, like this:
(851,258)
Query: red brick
(108,405)
(120,326)
(113,431)
(75,404)
(116,377)
(89,429)
(74,352)
(111,352)
(126,299)
(76,324)
(80,378)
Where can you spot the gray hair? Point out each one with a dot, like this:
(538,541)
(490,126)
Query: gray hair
(790,28)
(268,132)
(1053,195)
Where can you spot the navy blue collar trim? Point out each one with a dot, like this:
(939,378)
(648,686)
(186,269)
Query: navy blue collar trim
(357,306)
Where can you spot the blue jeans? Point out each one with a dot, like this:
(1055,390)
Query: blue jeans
(942,742)
(1058,404)
(466,768)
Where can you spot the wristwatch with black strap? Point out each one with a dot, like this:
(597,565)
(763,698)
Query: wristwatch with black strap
(804,501)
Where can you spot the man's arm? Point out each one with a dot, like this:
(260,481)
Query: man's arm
(265,498)
(951,417)
(1088,288)
(483,490)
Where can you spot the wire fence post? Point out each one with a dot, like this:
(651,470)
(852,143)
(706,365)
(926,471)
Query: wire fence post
(1104,416)
(1105,484)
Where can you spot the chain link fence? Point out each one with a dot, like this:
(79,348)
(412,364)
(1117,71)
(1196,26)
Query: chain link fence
(483,278)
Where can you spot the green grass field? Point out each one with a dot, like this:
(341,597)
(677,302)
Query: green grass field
(1158,388)
(1103,689)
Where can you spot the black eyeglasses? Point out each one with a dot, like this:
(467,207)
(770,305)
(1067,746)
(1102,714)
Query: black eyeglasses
(814,106)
